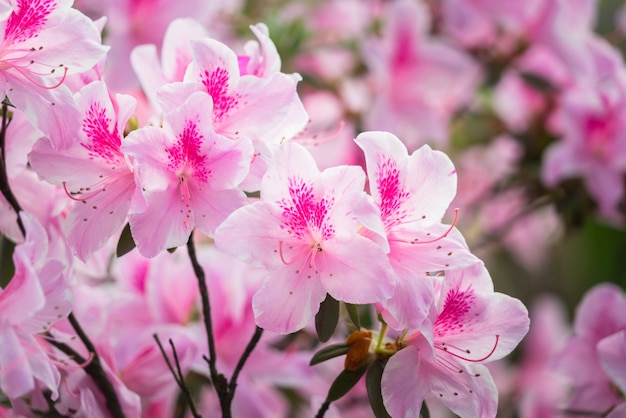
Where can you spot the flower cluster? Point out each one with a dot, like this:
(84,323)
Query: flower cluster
(193,224)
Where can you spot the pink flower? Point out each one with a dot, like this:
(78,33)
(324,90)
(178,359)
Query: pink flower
(263,106)
(175,57)
(594,359)
(593,143)
(138,22)
(45,40)
(188,176)
(541,388)
(420,81)
(471,325)
(412,192)
(304,231)
(35,298)
(92,169)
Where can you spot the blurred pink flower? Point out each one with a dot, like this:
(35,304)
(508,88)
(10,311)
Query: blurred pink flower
(593,142)
(594,358)
(419,81)
(35,298)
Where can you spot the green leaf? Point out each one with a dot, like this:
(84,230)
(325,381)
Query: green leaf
(326,353)
(171,250)
(126,243)
(344,382)
(424,412)
(327,318)
(353,313)
(374,392)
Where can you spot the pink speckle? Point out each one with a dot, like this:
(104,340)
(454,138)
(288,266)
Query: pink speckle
(455,309)
(185,158)
(28,18)
(216,84)
(103,143)
(392,195)
(302,214)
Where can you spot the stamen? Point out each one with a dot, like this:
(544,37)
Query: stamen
(445,348)
(445,234)
(86,197)
(315,139)
(282,257)
(77,366)
(67,388)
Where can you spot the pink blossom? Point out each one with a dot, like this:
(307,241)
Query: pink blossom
(92,169)
(36,56)
(412,192)
(592,146)
(175,57)
(188,176)
(541,388)
(594,358)
(35,298)
(139,22)
(304,231)
(264,108)
(471,325)
(420,81)
(240,101)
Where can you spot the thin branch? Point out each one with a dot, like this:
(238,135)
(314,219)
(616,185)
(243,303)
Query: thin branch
(96,372)
(258,332)
(323,408)
(499,233)
(219,380)
(5,188)
(178,375)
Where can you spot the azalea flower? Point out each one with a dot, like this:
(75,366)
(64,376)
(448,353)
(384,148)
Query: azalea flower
(92,170)
(594,358)
(419,81)
(412,193)
(35,298)
(43,42)
(251,97)
(470,325)
(305,232)
(188,176)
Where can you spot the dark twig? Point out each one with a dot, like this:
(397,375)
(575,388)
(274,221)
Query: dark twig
(258,332)
(4,177)
(178,375)
(96,372)
(323,408)
(219,380)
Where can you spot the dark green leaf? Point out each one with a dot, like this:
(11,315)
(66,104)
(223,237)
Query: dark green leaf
(329,352)
(126,242)
(327,318)
(353,313)
(171,250)
(424,412)
(374,392)
(537,82)
(344,382)
(7,268)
